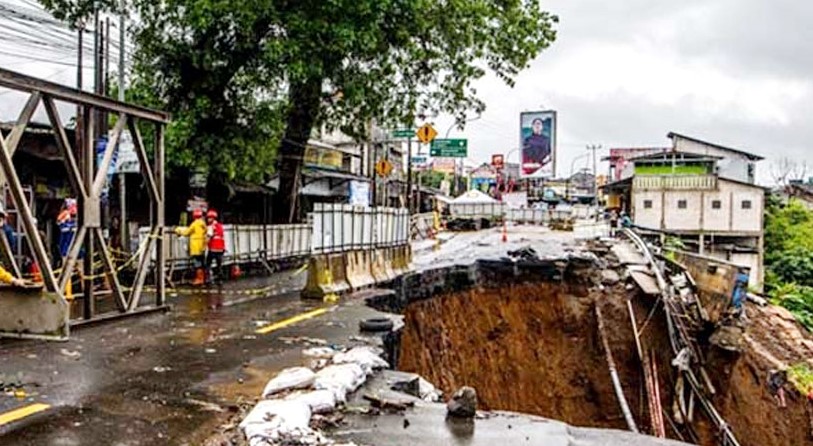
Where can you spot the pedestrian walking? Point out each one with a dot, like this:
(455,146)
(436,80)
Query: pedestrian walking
(197,244)
(217,246)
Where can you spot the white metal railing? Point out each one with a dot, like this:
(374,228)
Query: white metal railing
(524,215)
(343,227)
(244,243)
(675,182)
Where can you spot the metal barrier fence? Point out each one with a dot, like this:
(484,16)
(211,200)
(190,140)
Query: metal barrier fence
(422,225)
(532,216)
(244,244)
(343,227)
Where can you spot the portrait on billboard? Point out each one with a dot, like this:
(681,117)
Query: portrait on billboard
(538,142)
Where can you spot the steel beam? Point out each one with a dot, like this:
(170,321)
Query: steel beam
(18,195)
(22,122)
(101,172)
(143,161)
(111,268)
(16,81)
(160,260)
(69,262)
(74,176)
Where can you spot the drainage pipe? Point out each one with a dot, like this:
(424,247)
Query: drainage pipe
(619,392)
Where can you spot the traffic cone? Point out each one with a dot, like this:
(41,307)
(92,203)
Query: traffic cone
(200,277)
(504,231)
(236,272)
(36,274)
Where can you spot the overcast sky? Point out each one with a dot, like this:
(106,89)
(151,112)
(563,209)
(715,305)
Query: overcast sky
(624,73)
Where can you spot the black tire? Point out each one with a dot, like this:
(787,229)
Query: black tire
(376,324)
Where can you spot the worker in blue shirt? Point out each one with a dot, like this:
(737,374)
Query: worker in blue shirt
(740,289)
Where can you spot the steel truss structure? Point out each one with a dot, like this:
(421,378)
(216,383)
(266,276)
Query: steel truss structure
(87,182)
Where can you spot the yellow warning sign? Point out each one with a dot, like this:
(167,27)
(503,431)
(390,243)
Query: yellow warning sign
(383,168)
(426,133)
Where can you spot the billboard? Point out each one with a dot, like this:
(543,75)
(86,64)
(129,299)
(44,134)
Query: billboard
(619,159)
(443,165)
(537,143)
(498,161)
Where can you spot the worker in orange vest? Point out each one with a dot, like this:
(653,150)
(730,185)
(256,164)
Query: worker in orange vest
(197,244)
(217,245)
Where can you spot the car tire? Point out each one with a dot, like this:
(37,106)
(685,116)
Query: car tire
(376,324)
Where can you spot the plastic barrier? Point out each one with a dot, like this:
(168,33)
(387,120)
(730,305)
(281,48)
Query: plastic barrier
(378,266)
(338,269)
(358,269)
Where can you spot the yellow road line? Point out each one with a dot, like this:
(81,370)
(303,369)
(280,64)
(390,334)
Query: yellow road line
(19,414)
(290,321)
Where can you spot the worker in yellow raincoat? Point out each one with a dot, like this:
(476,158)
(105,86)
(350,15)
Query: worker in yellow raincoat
(197,244)
(7,277)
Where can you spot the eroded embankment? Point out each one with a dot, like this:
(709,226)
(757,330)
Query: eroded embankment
(529,348)
(527,339)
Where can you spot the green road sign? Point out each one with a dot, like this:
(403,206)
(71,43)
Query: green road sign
(449,148)
(404,133)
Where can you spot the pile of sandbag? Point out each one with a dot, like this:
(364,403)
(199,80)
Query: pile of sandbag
(295,394)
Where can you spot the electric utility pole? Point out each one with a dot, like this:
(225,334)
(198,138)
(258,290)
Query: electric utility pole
(122,176)
(593,148)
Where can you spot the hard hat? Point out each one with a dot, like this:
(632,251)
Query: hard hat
(211,214)
(197,213)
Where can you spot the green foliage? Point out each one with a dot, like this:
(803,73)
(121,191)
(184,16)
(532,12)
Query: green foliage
(432,179)
(789,257)
(801,375)
(798,299)
(237,76)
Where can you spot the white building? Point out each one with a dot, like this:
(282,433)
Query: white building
(704,194)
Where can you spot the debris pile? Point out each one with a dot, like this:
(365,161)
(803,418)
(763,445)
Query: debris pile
(296,400)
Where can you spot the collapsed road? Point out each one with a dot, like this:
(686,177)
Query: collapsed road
(523,331)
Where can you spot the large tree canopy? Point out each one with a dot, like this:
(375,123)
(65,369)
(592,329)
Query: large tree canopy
(243,77)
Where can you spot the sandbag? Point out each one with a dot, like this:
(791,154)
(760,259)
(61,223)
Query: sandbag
(340,379)
(368,358)
(319,401)
(274,421)
(289,379)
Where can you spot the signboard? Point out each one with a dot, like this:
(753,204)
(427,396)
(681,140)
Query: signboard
(404,133)
(420,162)
(443,165)
(450,148)
(360,193)
(498,161)
(619,159)
(537,141)
(426,133)
(128,159)
(324,158)
(383,168)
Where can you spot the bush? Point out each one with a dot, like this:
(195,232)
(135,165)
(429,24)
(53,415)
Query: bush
(798,299)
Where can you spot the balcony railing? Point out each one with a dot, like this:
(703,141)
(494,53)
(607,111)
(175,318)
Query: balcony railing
(675,182)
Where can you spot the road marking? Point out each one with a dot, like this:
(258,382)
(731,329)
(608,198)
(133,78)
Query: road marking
(290,321)
(19,414)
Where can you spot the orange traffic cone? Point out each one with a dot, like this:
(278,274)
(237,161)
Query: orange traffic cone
(36,274)
(504,231)
(236,272)
(200,277)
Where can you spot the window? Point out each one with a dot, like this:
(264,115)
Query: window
(716,204)
(647,204)
(746,204)
(681,204)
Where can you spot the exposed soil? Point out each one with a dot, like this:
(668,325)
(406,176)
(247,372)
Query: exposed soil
(534,348)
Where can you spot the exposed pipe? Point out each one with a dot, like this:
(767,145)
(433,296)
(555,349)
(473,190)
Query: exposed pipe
(619,392)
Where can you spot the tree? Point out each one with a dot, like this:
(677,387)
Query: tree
(336,64)
(785,170)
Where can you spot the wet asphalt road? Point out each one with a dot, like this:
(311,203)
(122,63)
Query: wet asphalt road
(168,378)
